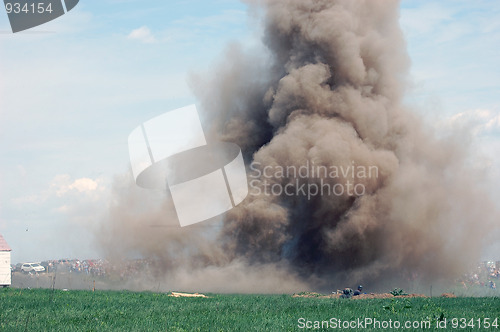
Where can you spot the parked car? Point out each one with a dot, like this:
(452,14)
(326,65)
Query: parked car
(32,267)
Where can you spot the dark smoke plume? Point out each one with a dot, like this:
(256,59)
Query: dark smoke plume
(327,92)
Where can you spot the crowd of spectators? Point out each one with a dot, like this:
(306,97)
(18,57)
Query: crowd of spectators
(486,274)
(98,267)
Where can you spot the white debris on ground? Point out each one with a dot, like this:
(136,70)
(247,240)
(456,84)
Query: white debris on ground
(177,294)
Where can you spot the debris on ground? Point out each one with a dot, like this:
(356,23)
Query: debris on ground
(177,294)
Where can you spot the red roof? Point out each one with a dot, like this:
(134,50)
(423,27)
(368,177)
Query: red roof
(3,244)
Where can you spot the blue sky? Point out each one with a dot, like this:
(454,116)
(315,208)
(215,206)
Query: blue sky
(73,89)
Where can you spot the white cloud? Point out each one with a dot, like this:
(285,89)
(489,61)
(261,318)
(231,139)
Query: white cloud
(63,185)
(84,184)
(478,122)
(142,34)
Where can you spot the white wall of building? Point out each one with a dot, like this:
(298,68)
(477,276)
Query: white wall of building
(5,272)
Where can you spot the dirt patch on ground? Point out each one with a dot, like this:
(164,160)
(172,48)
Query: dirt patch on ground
(358,297)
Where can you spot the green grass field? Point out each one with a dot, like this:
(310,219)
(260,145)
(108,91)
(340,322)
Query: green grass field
(38,310)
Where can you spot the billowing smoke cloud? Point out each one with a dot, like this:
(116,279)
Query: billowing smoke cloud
(326,95)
